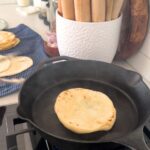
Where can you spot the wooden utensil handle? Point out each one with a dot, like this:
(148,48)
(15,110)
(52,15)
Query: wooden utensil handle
(59,7)
(117,6)
(82,10)
(98,10)
(68,9)
(109,9)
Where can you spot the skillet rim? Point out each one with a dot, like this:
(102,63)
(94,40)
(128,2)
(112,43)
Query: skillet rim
(67,139)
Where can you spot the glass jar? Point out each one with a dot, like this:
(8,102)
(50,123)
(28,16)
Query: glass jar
(52,14)
(51,35)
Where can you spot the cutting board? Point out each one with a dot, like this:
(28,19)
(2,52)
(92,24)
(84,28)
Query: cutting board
(134,28)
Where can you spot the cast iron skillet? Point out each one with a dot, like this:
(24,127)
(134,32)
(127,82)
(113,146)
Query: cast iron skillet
(128,92)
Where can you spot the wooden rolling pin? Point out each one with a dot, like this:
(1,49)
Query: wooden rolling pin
(68,9)
(98,10)
(109,9)
(59,7)
(83,10)
(117,6)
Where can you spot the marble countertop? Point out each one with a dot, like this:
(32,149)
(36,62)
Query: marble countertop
(9,13)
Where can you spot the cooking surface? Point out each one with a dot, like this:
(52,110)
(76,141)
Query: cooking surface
(31,141)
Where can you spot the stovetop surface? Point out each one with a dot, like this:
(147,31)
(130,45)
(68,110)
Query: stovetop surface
(12,125)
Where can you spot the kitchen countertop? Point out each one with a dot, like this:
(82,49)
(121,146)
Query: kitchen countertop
(9,13)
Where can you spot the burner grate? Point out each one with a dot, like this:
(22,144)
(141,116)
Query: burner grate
(13,135)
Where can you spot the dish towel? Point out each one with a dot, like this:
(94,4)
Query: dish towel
(31,45)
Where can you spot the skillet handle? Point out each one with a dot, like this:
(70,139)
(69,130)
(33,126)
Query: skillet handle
(57,60)
(134,141)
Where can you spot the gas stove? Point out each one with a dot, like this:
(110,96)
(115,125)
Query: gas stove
(14,135)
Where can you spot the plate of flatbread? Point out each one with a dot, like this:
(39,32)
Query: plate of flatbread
(14,65)
(4,63)
(10,66)
(8,40)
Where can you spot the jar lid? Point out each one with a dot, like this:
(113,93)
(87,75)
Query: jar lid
(3,24)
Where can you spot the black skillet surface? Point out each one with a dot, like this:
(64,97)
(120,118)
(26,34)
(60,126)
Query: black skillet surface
(128,92)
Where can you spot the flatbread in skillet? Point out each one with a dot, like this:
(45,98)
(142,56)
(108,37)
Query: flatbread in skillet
(85,111)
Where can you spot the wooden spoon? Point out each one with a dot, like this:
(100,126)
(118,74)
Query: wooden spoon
(117,8)
(98,10)
(68,9)
(82,10)
(109,9)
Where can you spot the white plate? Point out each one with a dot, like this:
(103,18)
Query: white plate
(3,24)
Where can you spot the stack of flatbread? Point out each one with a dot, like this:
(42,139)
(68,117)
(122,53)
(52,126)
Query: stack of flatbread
(8,40)
(13,65)
(85,111)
